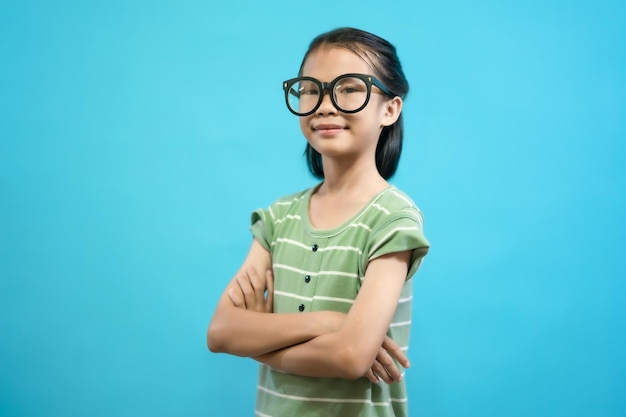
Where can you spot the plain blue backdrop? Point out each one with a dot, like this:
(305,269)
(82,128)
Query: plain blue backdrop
(137,136)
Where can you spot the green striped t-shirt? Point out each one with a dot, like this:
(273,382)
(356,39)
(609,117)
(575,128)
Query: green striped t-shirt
(318,270)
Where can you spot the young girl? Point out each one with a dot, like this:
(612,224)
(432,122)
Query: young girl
(323,299)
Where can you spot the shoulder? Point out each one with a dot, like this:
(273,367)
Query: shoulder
(394,203)
(398,227)
(291,199)
(290,202)
(283,206)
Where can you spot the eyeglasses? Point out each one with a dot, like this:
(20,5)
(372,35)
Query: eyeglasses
(349,93)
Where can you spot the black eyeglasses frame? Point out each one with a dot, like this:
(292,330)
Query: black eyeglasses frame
(327,88)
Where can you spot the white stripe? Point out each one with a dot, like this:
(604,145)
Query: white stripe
(260,414)
(363,225)
(338,273)
(308,247)
(289,202)
(398,400)
(291,295)
(352,248)
(293,269)
(375,248)
(409,202)
(314,274)
(381,208)
(326,400)
(404,300)
(272,214)
(316,297)
(289,217)
(339,300)
(292,242)
(400,324)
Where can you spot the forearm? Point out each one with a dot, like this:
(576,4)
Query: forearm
(351,350)
(324,356)
(248,328)
(247,333)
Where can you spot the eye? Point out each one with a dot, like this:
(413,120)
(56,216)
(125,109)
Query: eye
(307,88)
(351,86)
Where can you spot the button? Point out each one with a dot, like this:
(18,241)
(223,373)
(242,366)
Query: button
(314,248)
(301,307)
(307,278)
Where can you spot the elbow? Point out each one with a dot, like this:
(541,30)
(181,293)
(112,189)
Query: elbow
(215,338)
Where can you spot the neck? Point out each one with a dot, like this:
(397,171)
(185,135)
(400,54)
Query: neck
(351,178)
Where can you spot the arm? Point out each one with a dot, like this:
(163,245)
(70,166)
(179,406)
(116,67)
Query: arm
(250,294)
(252,332)
(350,351)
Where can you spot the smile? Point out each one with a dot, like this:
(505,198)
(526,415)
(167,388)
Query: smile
(328,129)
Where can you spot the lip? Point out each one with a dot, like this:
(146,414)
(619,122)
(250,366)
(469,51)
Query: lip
(328,128)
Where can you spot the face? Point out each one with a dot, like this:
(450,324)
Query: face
(333,133)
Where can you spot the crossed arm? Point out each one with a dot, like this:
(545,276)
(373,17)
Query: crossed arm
(318,344)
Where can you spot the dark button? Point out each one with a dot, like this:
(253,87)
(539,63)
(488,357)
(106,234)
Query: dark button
(307,278)
(301,307)
(314,248)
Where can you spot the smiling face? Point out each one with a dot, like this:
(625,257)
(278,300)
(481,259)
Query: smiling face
(333,133)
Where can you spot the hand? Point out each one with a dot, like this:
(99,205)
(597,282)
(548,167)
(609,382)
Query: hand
(251,292)
(384,366)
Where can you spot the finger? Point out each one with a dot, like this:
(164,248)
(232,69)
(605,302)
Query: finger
(394,350)
(247,290)
(258,284)
(269,283)
(371,376)
(236,297)
(381,372)
(389,365)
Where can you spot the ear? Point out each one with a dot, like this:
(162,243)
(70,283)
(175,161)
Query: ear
(392,111)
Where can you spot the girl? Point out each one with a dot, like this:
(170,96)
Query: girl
(323,299)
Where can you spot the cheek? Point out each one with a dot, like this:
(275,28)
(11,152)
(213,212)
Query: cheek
(304,125)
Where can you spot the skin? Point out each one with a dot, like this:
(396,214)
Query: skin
(325,343)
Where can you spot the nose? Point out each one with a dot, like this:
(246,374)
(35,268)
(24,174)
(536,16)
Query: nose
(326,106)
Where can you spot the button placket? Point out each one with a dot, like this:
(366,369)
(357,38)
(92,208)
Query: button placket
(308,282)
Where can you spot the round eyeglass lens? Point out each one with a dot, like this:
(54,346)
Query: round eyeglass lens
(350,93)
(303,96)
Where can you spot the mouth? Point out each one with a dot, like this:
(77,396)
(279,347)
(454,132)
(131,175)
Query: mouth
(329,129)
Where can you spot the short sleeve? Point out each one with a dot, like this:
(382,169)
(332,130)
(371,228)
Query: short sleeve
(262,227)
(402,233)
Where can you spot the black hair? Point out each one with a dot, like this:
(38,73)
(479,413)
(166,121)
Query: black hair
(386,64)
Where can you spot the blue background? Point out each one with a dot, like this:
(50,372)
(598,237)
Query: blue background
(136,137)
